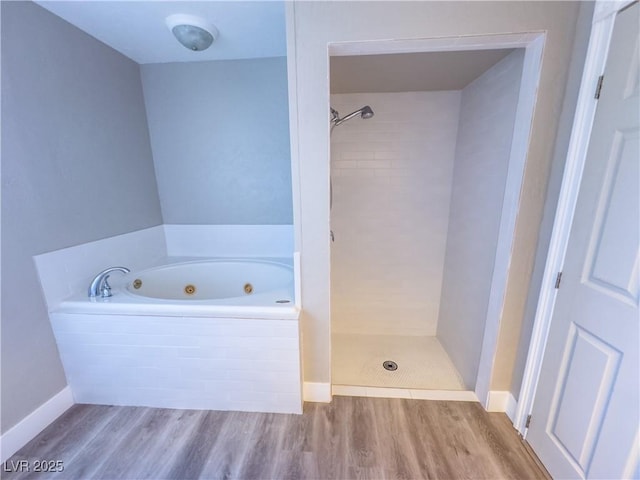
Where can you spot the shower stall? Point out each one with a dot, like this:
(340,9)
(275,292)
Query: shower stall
(416,199)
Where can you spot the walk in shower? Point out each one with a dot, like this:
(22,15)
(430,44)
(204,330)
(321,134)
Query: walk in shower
(416,202)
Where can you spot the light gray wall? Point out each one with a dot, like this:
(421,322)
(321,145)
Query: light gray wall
(220,138)
(487,115)
(76,167)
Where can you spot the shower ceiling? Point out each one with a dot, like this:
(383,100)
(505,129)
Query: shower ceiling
(137,29)
(411,72)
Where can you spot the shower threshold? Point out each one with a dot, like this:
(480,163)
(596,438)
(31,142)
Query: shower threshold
(409,393)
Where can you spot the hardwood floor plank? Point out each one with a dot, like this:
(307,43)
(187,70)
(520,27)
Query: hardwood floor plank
(232,445)
(296,458)
(91,455)
(293,465)
(325,439)
(350,438)
(507,452)
(133,446)
(192,458)
(263,454)
(150,450)
(427,435)
(394,446)
(358,429)
(59,440)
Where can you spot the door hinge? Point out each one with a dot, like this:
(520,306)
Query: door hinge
(599,86)
(528,421)
(558,279)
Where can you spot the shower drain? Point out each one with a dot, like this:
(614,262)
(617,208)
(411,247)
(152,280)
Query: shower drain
(390,365)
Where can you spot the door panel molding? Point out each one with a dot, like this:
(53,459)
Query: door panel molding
(593,402)
(602,263)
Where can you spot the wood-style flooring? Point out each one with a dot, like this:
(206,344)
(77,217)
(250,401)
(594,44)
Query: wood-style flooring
(350,438)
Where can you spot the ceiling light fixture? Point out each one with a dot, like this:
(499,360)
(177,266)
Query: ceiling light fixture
(193,32)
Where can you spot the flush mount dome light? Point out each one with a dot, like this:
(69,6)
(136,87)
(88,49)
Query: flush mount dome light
(193,32)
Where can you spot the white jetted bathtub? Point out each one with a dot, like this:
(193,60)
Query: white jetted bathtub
(214,334)
(222,281)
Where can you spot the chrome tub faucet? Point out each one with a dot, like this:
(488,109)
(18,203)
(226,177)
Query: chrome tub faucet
(100,285)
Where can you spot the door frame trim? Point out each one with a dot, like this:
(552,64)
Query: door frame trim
(604,15)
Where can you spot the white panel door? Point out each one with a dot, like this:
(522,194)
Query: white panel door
(586,411)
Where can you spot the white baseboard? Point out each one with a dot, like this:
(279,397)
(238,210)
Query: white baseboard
(316,392)
(511,407)
(19,435)
(502,402)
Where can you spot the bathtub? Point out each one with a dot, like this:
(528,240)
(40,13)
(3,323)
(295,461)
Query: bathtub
(216,282)
(251,288)
(215,334)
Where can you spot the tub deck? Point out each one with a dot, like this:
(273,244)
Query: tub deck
(261,306)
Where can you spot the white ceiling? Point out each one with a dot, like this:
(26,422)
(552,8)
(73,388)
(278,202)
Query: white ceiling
(137,29)
(411,72)
(255,29)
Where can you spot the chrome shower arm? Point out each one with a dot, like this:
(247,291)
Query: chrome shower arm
(347,117)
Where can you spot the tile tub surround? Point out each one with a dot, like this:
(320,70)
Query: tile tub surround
(229,240)
(69,270)
(181,362)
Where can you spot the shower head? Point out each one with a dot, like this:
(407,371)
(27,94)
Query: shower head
(365,113)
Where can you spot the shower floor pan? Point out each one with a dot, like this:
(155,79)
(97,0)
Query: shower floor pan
(422,362)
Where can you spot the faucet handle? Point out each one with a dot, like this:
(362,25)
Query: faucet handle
(105,291)
(100,283)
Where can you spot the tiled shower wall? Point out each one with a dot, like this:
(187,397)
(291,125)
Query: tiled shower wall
(487,117)
(392,177)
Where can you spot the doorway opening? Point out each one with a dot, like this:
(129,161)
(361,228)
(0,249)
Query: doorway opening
(423,208)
